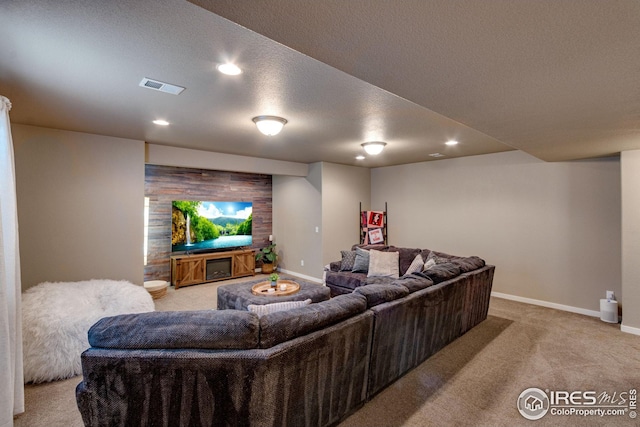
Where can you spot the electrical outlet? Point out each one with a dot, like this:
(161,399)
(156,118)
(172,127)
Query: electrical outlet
(611,295)
(317,229)
(302,262)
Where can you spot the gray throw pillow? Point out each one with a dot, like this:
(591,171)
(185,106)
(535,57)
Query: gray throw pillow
(361,264)
(348,259)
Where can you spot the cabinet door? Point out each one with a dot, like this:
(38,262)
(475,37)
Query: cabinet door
(190,271)
(244,264)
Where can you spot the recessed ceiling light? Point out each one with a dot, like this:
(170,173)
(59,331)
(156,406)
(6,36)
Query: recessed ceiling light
(360,157)
(436,155)
(161,122)
(229,69)
(451,142)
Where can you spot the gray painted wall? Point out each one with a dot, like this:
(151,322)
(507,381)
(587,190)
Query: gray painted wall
(80,205)
(297,210)
(630,178)
(317,216)
(552,229)
(343,188)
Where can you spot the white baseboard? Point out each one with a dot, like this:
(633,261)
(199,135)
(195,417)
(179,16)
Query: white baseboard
(630,330)
(302,276)
(592,313)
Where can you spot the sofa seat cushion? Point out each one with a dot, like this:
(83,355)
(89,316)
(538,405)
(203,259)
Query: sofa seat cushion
(203,329)
(468,264)
(441,272)
(345,279)
(282,326)
(377,294)
(414,282)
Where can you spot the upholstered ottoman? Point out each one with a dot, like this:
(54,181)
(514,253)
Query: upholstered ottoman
(238,295)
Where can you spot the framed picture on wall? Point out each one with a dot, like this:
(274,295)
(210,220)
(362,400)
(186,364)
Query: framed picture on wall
(376,236)
(376,219)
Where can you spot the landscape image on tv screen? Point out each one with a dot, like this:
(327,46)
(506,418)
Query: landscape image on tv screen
(209,225)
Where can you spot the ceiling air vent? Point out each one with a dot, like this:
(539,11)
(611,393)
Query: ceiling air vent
(161,86)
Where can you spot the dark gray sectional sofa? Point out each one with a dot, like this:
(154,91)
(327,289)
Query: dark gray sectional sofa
(312,365)
(306,366)
(432,308)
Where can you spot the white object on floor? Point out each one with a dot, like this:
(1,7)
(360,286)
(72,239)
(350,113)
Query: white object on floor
(609,311)
(156,288)
(57,316)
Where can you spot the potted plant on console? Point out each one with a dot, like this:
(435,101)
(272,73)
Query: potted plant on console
(268,256)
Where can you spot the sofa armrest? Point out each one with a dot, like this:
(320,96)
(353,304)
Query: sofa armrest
(335,265)
(206,329)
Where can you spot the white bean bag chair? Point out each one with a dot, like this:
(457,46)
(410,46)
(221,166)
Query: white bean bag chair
(57,316)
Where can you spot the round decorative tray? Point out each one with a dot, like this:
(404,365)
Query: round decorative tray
(262,288)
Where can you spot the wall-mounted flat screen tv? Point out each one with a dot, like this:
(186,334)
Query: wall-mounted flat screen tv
(201,226)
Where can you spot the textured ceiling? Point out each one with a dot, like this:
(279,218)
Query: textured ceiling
(557,79)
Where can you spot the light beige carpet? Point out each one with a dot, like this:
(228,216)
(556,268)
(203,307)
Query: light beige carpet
(475,381)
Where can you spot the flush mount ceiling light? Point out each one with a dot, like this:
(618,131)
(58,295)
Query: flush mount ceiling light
(269,125)
(373,147)
(229,69)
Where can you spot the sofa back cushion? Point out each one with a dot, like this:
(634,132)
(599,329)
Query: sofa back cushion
(285,325)
(441,272)
(468,264)
(405,257)
(414,282)
(377,294)
(205,329)
(378,247)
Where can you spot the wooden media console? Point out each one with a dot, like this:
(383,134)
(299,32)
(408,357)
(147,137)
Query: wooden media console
(194,269)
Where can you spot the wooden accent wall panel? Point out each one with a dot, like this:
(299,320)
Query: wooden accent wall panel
(164,184)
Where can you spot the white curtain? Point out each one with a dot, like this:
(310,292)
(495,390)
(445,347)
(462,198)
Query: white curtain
(11,374)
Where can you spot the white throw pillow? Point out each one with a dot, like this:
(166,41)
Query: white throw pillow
(384,264)
(416,265)
(261,310)
(430,263)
